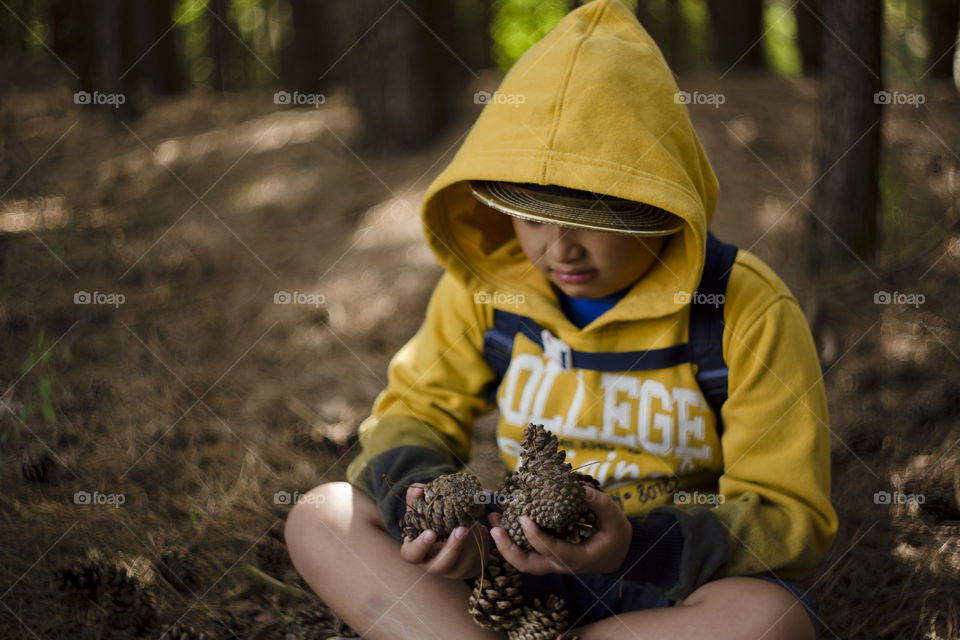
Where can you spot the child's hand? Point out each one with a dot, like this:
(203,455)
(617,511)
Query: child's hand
(458,557)
(603,552)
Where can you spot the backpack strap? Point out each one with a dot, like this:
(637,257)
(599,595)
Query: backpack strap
(706,324)
(704,346)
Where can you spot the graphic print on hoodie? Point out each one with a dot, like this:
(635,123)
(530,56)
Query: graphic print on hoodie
(599,114)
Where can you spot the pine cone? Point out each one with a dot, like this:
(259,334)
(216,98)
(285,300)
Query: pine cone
(182,631)
(546,489)
(37,468)
(129,608)
(82,578)
(177,567)
(542,621)
(448,502)
(497,602)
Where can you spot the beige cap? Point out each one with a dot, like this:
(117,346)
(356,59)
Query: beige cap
(574,208)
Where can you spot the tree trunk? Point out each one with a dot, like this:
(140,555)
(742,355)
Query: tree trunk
(109,60)
(737,31)
(941,20)
(846,197)
(809,32)
(401,74)
(168,78)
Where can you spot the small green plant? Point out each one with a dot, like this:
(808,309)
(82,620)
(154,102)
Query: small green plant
(43,398)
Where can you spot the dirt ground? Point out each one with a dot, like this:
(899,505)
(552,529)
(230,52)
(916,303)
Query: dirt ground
(186,414)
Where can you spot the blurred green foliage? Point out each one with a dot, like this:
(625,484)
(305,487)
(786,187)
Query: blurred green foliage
(780,42)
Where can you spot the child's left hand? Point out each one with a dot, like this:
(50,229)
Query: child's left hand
(603,552)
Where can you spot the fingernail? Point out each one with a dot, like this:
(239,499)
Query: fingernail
(525,522)
(459,532)
(591,493)
(429,536)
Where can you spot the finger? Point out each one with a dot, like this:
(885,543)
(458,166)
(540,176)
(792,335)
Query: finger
(418,549)
(447,558)
(532,563)
(414,491)
(494,519)
(561,553)
(473,548)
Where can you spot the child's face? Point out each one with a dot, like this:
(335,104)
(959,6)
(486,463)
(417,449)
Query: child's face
(586,264)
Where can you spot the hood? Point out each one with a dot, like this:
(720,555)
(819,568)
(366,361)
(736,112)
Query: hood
(591,106)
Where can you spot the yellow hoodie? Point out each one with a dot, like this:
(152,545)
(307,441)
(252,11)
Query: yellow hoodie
(593,106)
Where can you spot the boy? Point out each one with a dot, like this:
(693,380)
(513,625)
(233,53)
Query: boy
(679,373)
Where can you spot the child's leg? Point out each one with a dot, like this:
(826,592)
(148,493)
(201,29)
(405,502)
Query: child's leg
(727,608)
(337,542)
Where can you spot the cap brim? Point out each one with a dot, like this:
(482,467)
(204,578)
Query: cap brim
(576,209)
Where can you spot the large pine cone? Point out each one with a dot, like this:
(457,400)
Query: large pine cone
(542,622)
(546,488)
(450,501)
(497,602)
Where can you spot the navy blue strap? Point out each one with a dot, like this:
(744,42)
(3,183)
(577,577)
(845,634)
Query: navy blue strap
(706,324)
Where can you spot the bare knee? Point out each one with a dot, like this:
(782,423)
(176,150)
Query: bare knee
(333,508)
(762,609)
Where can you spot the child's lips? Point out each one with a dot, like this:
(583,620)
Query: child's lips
(574,277)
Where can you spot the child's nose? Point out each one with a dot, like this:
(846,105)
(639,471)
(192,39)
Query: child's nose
(564,245)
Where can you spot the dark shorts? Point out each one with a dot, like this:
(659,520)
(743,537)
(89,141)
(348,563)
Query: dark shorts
(593,597)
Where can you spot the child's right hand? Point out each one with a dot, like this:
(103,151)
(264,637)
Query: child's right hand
(458,557)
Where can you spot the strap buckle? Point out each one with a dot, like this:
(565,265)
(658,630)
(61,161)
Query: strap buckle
(557,350)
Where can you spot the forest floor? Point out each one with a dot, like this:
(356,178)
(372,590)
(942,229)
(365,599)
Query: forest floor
(184,409)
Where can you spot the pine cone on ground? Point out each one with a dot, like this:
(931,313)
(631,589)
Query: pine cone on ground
(497,602)
(308,625)
(129,608)
(448,502)
(38,468)
(82,578)
(182,631)
(542,622)
(177,567)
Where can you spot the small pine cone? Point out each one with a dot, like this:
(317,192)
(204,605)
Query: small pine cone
(540,448)
(82,578)
(542,621)
(38,468)
(182,631)
(307,625)
(497,602)
(448,502)
(129,608)
(177,567)
(271,556)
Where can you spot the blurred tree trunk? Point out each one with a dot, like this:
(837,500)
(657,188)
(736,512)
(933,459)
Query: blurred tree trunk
(941,21)
(308,53)
(405,81)
(73,40)
(474,41)
(809,32)
(665,24)
(848,150)
(737,31)
(108,52)
(219,44)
